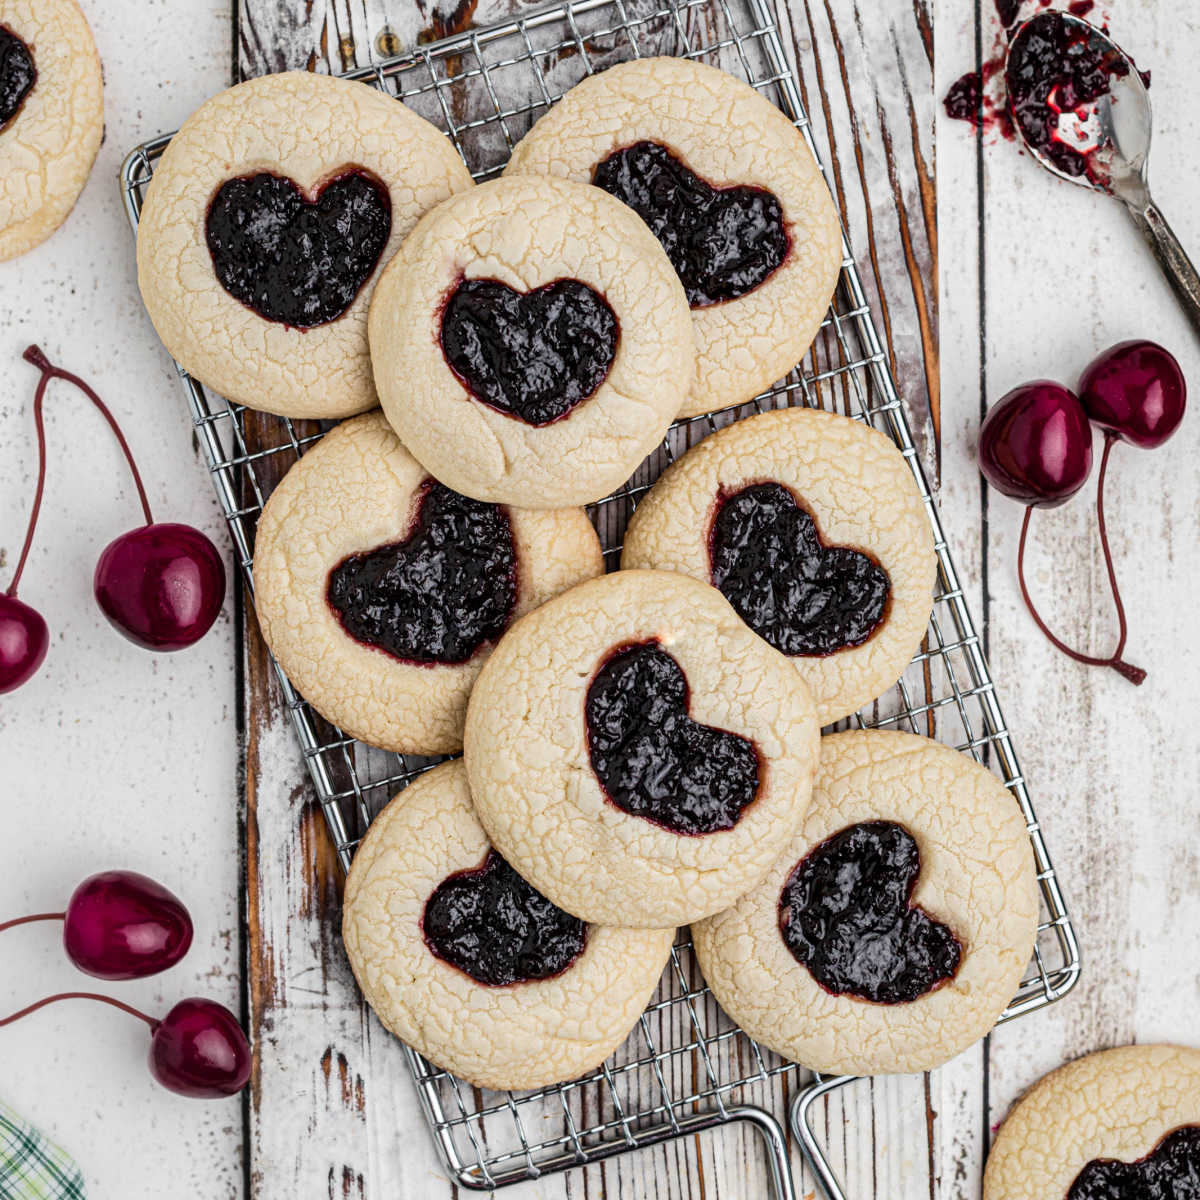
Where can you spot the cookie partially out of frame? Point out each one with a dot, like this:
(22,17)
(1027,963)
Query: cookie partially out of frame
(381,592)
(731,189)
(813,527)
(637,753)
(1118,1123)
(531,343)
(51,117)
(467,963)
(266,225)
(895,927)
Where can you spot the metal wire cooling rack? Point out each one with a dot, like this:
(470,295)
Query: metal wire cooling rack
(685,1068)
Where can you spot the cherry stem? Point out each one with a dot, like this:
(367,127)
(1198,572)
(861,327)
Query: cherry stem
(1135,675)
(34,355)
(32,1008)
(35,917)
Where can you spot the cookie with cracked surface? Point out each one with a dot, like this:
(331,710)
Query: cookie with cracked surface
(1121,1123)
(468,964)
(266,225)
(51,117)
(729,186)
(637,753)
(381,592)
(813,527)
(531,342)
(895,927)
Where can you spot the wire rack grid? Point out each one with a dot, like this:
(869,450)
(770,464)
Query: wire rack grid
(685,1068)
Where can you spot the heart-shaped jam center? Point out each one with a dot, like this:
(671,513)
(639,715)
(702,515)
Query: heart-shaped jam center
(722,242)
(802,596)
(442,592)
(652,759)
(533,355)
(17,74)
(492,925)
(846,914)
(292,258)
(1171,1171)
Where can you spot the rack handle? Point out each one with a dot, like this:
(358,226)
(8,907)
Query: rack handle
(799,1116)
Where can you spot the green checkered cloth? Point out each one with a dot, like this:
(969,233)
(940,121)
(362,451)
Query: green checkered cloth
(32,1168)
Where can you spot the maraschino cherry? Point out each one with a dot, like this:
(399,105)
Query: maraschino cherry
(1036,446)
(198,1049)
(161,585)
(121,925)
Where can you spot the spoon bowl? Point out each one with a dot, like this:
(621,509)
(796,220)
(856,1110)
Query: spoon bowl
(1083,111)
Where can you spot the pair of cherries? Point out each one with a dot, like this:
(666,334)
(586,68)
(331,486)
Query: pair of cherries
(161,585)
(1036,446)
(120,925)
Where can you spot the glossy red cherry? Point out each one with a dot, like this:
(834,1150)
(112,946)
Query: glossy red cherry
(24,640)
(198,1049)
(1136,391)
(122,925)
(1036,444)
(161,585)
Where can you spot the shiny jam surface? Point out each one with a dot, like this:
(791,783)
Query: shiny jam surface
(17,74)
(652,759)
(292,259)
(1054,69)
(1171,1171)
(845,913)
(722,242)
(533,355)
(496,928)
(440,594)
(802,596)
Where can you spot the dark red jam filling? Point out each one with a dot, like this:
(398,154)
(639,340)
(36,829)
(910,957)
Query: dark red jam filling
(846,914)
(440,594)
(1053,68)
(652,759)
(294,259)
(533,355)
(802,596)
(722,242)
(492,925)
(1171,1171)
(964,100)
(17,74)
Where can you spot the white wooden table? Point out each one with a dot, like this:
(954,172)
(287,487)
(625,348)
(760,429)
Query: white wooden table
(114,757)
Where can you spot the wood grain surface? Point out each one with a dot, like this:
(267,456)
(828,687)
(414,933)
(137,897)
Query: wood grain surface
(333,1111)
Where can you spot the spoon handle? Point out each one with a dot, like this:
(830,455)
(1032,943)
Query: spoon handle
(1176,265)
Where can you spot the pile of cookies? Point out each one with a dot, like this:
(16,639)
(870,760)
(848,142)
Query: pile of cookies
(641,750)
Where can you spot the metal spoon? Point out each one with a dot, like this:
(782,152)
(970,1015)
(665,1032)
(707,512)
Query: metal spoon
(1115,135)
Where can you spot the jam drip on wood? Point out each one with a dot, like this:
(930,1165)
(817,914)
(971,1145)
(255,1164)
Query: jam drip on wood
(293,259)
(722,242)
(802,596)
(17,74)
(532,355)
(440,594)
(496,928)
(1171,1171)
(846,914)
(652,759)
